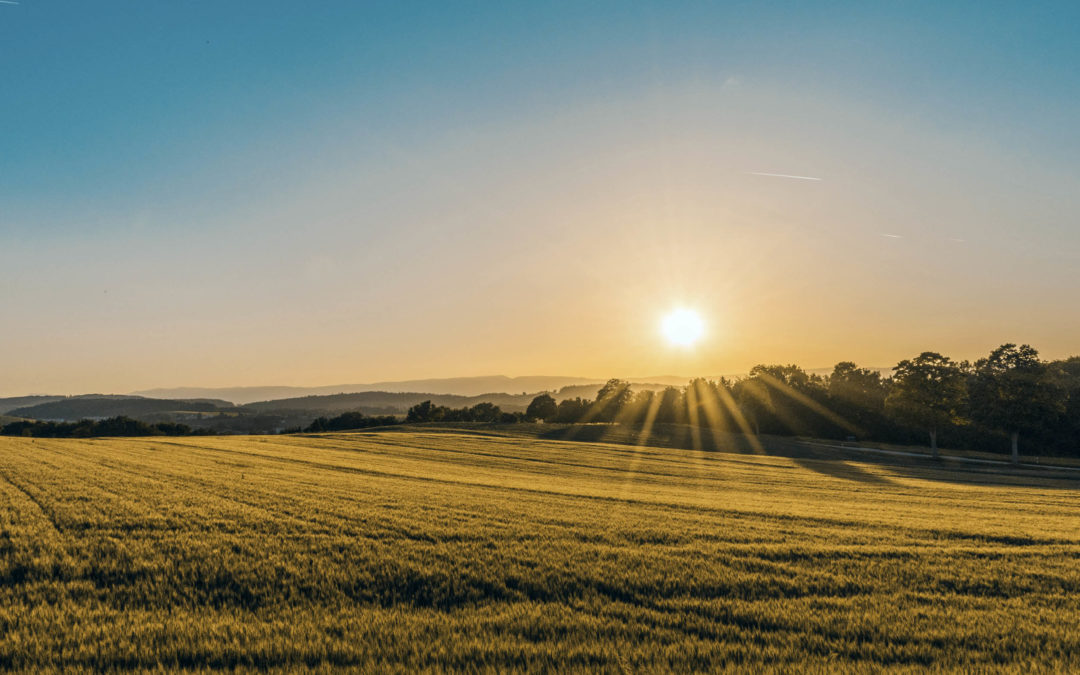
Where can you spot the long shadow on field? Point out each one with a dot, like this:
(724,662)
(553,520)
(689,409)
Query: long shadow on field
(835,462)
(818,460)
(843,470)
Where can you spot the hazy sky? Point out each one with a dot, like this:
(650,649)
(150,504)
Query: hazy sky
(227,193)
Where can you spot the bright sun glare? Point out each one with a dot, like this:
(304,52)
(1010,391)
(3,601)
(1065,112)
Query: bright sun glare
(682,327)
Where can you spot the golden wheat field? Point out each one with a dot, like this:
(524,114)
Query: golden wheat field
(466,551)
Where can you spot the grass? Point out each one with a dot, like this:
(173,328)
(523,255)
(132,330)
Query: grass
(454,550)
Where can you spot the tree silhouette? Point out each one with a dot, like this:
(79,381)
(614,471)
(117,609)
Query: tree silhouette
(422,412)
(543,407)
(858,395)
(484,412)
(1012,391)
(667,411)
(755,401)
(611,399)
(857,387)
(572,410)
(928,392)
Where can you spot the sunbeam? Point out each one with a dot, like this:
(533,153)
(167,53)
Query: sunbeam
(808,402)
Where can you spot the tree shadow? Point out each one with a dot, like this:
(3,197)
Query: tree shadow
(844,470)
(682,437)
(837,462)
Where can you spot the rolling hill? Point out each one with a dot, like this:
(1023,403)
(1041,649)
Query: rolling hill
(15,402)
(383,403)
(99,406)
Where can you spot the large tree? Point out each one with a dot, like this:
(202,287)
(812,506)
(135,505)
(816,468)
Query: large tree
(610,400)
(857,387)
(786,397)
(543,408)
(572,410)
(1067,375)
(857,396)
(706,403)
(667,409)
(755,401)
(424,412)
(1012,390)
(928,392)
(789,376)
(484,412)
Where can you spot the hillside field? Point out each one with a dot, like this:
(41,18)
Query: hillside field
(413,550)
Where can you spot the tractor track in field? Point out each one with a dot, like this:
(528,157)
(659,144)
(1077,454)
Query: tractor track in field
(46,514)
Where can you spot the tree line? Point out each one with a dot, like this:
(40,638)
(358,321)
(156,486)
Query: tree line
(349,421)
(986,405)
(425,411)
(1007,395)
(481,412)
(113,426)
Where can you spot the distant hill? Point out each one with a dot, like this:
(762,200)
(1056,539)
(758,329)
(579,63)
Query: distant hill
(100,406)
(9,404)
(461,386)
(382,403)
(509,393)
(276,414)
(286,408)
(398,403)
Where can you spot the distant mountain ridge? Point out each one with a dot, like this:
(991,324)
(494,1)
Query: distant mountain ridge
(459,386)
(383,402)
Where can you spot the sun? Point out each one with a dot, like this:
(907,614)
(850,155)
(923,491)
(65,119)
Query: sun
(682,327)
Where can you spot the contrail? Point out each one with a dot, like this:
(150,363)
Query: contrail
(781,175)
(8,2)
(890,236)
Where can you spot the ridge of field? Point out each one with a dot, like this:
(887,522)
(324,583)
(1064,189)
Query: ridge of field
(472,550)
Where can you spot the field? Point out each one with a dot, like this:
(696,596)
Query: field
(456,550)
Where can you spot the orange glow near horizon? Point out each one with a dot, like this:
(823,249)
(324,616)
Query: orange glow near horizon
(479,253)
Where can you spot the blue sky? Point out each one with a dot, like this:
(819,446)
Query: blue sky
(109,101)
(215,163)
